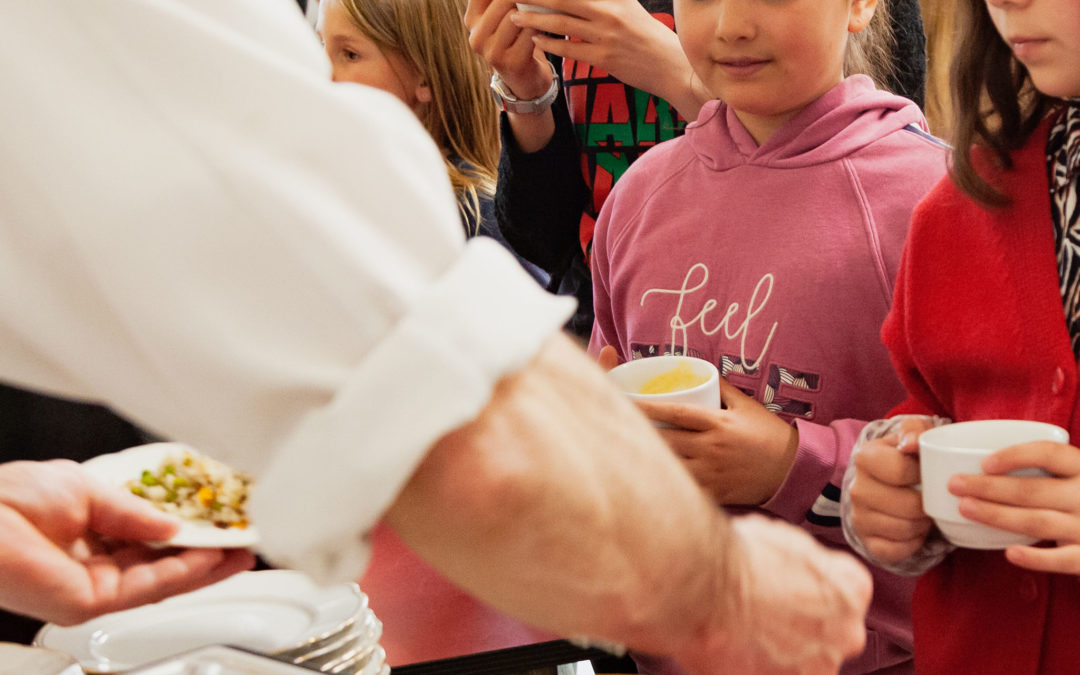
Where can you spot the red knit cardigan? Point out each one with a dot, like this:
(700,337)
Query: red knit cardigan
(977,331)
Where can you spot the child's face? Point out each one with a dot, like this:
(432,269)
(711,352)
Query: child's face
(1045,36)
(768,59)
(355,58)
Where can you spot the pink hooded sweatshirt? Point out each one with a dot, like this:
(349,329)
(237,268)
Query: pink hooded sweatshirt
(777,263)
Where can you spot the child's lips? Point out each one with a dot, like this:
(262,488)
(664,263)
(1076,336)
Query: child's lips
(1026,47)
(742,66)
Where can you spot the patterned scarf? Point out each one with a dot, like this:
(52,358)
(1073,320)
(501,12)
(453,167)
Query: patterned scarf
(1063,165)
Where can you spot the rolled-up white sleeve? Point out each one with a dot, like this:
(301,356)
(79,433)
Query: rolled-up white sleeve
(432,372)
(200,230)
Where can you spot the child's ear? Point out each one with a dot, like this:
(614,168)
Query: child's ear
(861,13)
(423,93)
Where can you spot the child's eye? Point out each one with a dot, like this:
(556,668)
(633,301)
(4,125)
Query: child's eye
(351,55)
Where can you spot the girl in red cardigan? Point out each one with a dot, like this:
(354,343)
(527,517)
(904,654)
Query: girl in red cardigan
(986,324)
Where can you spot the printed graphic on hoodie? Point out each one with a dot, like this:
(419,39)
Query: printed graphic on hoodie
(695,316)
(614,123)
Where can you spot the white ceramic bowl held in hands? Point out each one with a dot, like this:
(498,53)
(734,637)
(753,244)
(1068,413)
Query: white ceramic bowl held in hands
(961,448)
(631,376)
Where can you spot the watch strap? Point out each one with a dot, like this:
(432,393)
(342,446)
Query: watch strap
(509,103)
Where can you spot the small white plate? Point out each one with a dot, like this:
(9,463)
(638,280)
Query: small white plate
(119,467)
(263,611)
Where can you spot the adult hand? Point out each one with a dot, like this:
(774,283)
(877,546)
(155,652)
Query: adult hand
(70,546)
(887,512)
(623,39)
(790,604)
(507,47)
(1047,508)
(740,454)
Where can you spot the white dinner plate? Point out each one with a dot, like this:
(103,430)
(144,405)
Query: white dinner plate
(119,467)
(264,611)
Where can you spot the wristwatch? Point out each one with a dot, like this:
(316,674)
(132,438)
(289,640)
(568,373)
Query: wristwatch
(508,103)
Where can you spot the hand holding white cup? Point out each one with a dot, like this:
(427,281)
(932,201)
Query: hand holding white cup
(960,449)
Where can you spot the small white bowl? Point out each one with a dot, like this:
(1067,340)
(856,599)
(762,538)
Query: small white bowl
(630,376)
(960,448)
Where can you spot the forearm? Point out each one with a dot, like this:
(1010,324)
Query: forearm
(560,505)
(541,195)
(670,77)
(532,132)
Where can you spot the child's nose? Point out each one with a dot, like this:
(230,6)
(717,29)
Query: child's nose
(735,20)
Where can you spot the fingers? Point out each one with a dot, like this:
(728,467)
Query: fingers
(492,34)
(890,551)
(682,415)
(166,575)
(119,514)
(891,527)
(560,24)
(1060,560)
(608,357)
(474,12)
(732,396)
(880,460)
(1056,458)
(888,518)
(1028,491)
(910,430)
(1033,522)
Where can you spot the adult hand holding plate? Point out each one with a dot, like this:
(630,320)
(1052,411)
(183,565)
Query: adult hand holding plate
(72,546)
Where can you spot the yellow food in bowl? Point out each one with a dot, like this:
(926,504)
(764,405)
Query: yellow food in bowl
(678,378)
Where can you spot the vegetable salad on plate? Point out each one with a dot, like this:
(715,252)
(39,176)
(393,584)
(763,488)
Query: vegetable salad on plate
(195,487)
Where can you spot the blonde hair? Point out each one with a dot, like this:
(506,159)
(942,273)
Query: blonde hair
(462,116)
(870,51)
(940,19)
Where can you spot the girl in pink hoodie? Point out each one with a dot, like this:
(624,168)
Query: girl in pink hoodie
(767,240)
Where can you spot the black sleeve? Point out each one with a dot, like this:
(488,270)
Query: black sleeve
(909,52)
(540,196)
(488,226)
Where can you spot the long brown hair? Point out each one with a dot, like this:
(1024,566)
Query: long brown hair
(995,104)
(462,116)
(870,51)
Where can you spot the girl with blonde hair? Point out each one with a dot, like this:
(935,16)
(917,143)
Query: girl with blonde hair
(418,50)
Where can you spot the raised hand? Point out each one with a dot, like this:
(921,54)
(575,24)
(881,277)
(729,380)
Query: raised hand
(1047,508)
(507,47)
(622,38)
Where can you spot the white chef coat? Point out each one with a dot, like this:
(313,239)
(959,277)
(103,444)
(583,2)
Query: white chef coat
(200,230)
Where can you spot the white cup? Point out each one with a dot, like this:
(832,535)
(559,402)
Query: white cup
(632,375)
(960,448)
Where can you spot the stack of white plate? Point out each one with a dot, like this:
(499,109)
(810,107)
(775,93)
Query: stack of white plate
(277,612)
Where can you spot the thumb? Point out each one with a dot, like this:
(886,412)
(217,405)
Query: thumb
(608,357)
(909,432)
(121,515)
